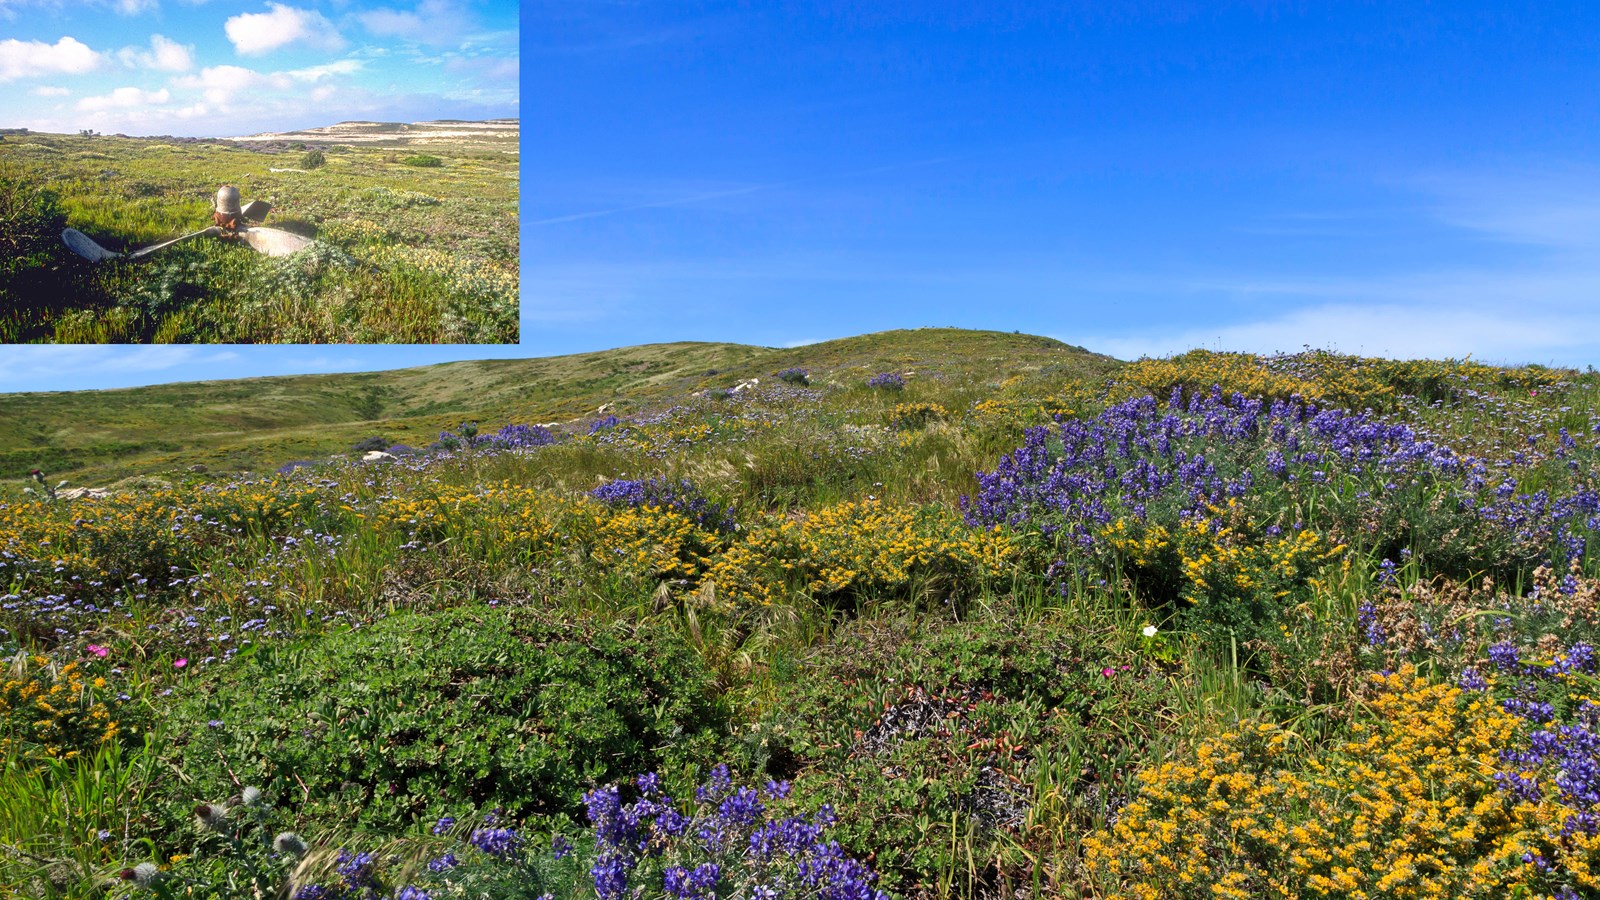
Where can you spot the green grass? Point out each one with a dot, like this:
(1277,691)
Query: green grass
(95,438)
(404,255)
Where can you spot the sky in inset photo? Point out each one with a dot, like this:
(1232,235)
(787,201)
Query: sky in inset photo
(223,68)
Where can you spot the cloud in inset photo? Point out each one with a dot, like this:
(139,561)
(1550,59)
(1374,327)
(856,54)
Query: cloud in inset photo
(254,34)
(435,22)
(125,97)
(163,55)
(31,59)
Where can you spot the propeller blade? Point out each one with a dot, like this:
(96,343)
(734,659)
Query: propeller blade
(79,243)
(204,232)
(273,242)
(256,210)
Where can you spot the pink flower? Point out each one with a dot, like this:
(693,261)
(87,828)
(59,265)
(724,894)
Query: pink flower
(1107,671)
(98,650)
(180,662)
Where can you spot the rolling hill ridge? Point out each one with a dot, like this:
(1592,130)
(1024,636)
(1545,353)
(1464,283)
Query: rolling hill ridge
(96,437)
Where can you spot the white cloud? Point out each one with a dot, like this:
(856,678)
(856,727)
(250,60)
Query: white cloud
(220,84)
(326,70)
(1557,208)
(254,34)
(490,69)
(30,59)
(437,22)
(125,98)
(48,91)
(134,7)
(164,54)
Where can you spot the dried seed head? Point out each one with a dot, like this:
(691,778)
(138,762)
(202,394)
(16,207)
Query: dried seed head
(289,843)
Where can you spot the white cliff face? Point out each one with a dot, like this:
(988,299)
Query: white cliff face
(412,133)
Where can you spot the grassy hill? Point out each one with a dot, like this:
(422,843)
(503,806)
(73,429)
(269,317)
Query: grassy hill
(97,437)
(1210,634)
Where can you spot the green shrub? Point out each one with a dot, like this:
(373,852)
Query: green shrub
(423,161)
(313,159)
(419,715)
(31,221)
(938,746)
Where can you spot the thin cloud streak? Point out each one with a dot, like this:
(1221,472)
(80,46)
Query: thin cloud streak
(29,365)
(735,192)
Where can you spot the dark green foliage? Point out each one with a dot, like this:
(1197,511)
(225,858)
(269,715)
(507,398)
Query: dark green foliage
(418,715)
(313,159)
(366,445)
(423,161)
(928,739)
(31,252)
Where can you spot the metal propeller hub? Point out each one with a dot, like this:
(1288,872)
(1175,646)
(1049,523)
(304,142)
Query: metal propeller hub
(229,219)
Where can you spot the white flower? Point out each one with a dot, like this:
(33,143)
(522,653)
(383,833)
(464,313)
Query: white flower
(1149,631)
(250,796)
(290,843)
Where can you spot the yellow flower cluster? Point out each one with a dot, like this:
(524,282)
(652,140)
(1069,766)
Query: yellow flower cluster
(857,550)
(511,520)
(994,414)
(51,710)
(1198,370)
(916,415)
(146,531)
(1407,808)
(1207,560)
(648,541)
(1221,561)
(1319,375)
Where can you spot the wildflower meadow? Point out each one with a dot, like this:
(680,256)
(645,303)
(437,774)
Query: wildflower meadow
(891,617)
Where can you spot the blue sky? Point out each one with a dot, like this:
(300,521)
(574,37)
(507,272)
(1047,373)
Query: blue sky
(1397,179)
(223,68)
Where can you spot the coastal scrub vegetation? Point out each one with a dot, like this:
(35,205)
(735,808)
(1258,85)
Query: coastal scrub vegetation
(1218,625)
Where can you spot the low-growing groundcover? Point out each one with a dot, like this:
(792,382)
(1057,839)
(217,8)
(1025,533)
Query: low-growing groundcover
(1195,628)
(476,707)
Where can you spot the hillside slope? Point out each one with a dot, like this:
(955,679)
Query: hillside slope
(94,437)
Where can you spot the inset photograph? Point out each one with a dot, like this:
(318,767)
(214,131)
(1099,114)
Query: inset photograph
(302,172)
